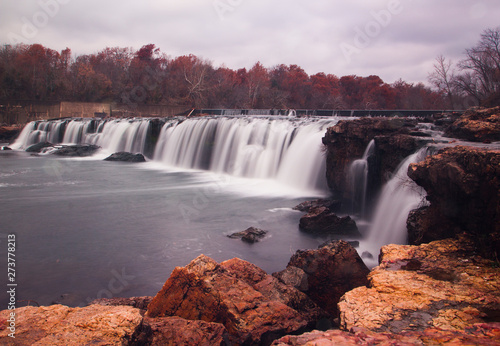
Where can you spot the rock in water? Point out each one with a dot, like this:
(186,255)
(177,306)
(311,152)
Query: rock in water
(250,235)
(306,206)
(236,294)
(326,274)
(321,220)
(37,148)
(441,284)
(76,150)
(125,157)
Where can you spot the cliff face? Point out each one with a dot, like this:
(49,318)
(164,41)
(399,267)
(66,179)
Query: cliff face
(463,188)
(347,141)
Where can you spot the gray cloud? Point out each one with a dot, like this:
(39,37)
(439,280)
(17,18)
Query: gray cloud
(238,33)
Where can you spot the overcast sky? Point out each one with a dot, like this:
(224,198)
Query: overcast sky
(390,38)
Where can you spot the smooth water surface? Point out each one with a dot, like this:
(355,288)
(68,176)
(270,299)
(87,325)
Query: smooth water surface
(90,229)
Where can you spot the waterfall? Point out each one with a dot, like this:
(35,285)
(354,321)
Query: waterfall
(358,173)
(284,149)
(112,135)
(250,147)
(399,196)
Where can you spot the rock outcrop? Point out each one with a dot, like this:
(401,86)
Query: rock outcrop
(347,141)
(463,188)
(61,325)
(441,284)
(325,274)
(125,157)
(479,334)
(321,220)
(251,305)
(478,125)
(250,235)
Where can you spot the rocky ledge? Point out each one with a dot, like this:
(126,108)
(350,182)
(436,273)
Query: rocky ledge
(442,284)
(478,125)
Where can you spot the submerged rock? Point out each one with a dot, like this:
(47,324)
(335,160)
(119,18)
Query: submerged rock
(250,235)
(326,274)
(462,185)
(322,220)
(478,125)
(125,157)
(441,285)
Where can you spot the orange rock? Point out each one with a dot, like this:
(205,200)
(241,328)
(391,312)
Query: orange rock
(228,294)
(440,284)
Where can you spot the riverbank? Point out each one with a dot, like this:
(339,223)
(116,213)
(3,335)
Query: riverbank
(442,290)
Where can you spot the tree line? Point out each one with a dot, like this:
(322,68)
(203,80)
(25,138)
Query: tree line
(474,80)
(149,76)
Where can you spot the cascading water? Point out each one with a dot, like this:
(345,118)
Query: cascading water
(112,135)
(358,173)
(282,149)
(256,148)
(399,196)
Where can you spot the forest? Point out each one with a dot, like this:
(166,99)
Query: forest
(150,76)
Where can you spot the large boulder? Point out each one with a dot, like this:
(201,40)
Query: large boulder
(478,125)
(236,294)
(321,220)
(463,188)
(325,274)
(61,325)
(442,284)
